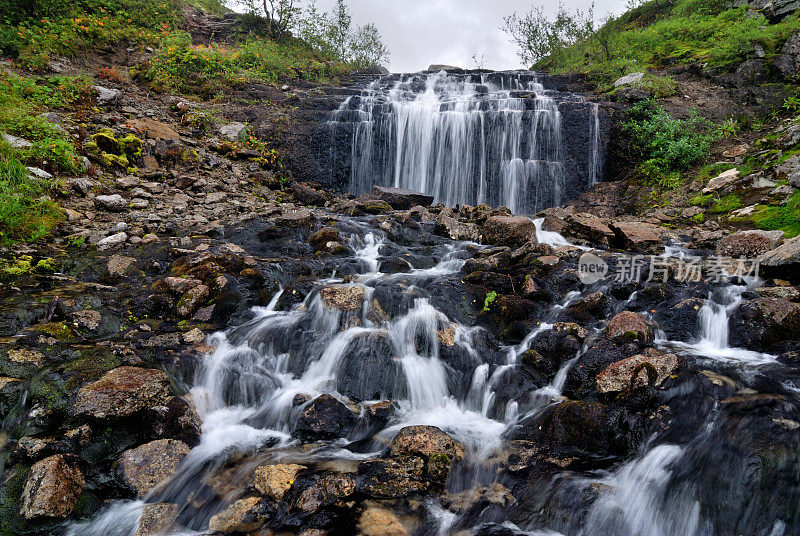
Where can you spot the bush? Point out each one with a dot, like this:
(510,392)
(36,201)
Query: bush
(664,145)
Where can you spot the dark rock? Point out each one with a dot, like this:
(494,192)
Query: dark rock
(401,198)
(325,417)
(680,320)
(759,324)
(326,490)
(392,478)
(783,261)
(650,368)
(509,231)
(245,515)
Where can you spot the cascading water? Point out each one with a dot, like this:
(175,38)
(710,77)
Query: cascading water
(497,138)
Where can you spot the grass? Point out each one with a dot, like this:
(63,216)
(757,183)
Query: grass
(726,204)
(668,32)
(784,218)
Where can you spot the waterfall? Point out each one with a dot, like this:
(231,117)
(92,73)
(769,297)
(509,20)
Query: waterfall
(497,138)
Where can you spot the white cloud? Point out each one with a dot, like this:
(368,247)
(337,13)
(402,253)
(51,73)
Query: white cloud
(422,32)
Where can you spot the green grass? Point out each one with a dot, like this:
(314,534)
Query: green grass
(668,32)
(726,204)
(784,218)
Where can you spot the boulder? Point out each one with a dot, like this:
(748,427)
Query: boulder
(113,241)
(638,237)
(721,181)
(192,300)
(789,170)
(496,494)
(15,142)
(345,298)
(106,96)
(155,130)
(146,466)
(424,441)
(296,218)
(275,480)
(325,418)
(456,230)
(122,392)
(628,326)
(680,319)
(326,490)
(761,323)
(245,515)
(52,488)
(391,478)
(401,198)
(650,368)
(509,231)
(118,265)
(377,521)
(39,173)
(631,79)
(749,244)
(157,519)
(783,260)
(111,203)
(587,229)
(233,131)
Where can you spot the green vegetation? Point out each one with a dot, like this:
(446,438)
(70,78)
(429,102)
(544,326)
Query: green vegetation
(726,204)
(489,300)
(666,146)
(656,34)
(780,218)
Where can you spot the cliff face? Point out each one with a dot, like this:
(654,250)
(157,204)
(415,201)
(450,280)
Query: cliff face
(316,141)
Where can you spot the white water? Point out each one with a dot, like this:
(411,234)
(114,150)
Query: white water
(466,139)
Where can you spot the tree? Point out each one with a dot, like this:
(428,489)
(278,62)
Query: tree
(537,37)
(280,14)
(367,48)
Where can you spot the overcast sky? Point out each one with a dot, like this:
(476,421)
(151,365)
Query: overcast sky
(423,32)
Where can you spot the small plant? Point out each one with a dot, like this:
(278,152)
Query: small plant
(489,300)
(792,104)
(726,204)
(729,128)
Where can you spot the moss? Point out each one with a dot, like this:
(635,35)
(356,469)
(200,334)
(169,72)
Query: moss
(699,218)
(784,218)
(726,204)
(10,493)
(19,266)
(131,146)
(89,365)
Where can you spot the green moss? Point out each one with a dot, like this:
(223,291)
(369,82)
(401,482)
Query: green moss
(130,146)
(489,300)
(726,204)
(10,493)
(88,366)
(58,330)
(701,200)
(784,218)
(699,218)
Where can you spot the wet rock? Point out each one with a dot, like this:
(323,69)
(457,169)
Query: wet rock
(326,490)
(571,425)
(401,198)
(325,417)
(87,319)
(650,368)
(759,324)
(456,230)
(10,391)
(192,300)
(749,244)
(118,265)
(177,419)
(496,494)
(436,448)
(628,326)
(587,229)
(588,308)
(245,515)
(145,467)
(179,285)
(680,319)
(52,488)
(343,297)
(122,392)
(783,260)
(157,519)
(368,370)
(509,230)
(309,195)
(380,522)
(638,237)
(296,218)
(275,480)
(392,478)
(324,239)
(780,292)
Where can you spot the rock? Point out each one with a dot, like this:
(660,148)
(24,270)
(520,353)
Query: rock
(144,467)
(496,494)
(122,392)
(573,424)
(296,218)
(736,151)
(749,244)
(111,203)
(179,285)
(275,480)
(680,320)
(191,300)
(233,131)
(87,319)
(157,519)
(783,260)
(456,230)
(721,181)
(631,79)
(194,336)
(177,419)
(441,67)
(783,292)
(628,326)
(326,490)
(245,515)
(118,265)
(106,96)
(10,391)
(509,231)
(16,143)
(155,130)
(648,369)
(423,441)
(587,229)
(26,356)
(392,478)
(322,239)
(326,418)
(638,237)
(401,198)
(52,488)
(344,298)
(759,324)
(39,173)
(112,241)
(380,522)
(789,170)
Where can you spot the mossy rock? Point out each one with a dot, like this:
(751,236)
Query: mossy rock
(130,146)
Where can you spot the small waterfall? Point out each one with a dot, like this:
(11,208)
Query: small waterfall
(472,138)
